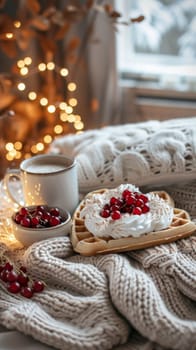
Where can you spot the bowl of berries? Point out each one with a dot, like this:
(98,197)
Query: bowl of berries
(35,223)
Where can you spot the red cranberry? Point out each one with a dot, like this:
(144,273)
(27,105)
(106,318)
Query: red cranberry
(54,212)
(114,208)
(34,221)
(8,266)
(22,279)
(144,198)
(26,292)
(3,275)
(139,203)
(23,211)
(26,222)
(12,276)
(18,218)
(126,193)
(13,287)
(130,200)
(116,215)
(54,221)
(113,200)
(38,286)
(40,208)
(137,211)
(105,213)
(145,209)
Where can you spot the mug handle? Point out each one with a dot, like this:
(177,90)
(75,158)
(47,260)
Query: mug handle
(13,173)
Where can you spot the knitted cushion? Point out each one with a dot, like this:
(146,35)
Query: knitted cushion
(149,153)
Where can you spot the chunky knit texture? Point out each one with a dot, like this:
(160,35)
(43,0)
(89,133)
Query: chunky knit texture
(148,153)
(142,300)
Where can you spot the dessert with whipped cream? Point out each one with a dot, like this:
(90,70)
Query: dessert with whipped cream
(125,211)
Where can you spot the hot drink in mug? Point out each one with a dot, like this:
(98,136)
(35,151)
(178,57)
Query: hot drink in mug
(47,179)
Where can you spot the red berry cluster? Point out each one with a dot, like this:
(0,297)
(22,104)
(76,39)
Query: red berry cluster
(130,202)
(17,281)
(39,217)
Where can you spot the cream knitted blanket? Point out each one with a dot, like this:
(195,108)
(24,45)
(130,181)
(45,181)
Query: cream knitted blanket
(148,153)
(144,300)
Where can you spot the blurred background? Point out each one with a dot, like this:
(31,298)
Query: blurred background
(70,66)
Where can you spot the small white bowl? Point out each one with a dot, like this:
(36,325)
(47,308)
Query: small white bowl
(29,235)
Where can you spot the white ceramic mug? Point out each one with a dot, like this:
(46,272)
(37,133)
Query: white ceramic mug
(46,179)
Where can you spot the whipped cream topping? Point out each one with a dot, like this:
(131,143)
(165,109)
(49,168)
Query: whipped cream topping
(158,218)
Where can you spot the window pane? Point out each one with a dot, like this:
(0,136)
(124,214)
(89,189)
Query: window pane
(164,43)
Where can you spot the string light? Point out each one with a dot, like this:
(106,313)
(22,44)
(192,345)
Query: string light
(50,65)
(51,109)
(17,24)
(43,101)
(40,146)
(79,125)
(9,35)
(24,71)
(65,108)
(69,109)
(47,138)
(32,95)
(71,118)
(64,72)
(42,67)
(20,64)
(18,145)
(73,102)
(62,105)
(63,117)
(34,149)
(71,86)
(21,86)
(58,129)
(28,60)
(9,146)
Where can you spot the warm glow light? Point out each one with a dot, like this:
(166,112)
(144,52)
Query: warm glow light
(9,35)
(47,138)
(69,109)
(28,60)
(79,125)
(71,118)
(17,24)
(18,145)
(73,102)
(50,65)
(40,146)
(20,64)
(51,108)
(58,129)
(9,146)
(77,118)
(63,117)
(34,149)
(9,157)
(43,101)
(18,155)
(62,105)
(42,67)
(71,86)
(64,72)
(13,153)
(21,86)
(32,95)
(24,71)
(27,155)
